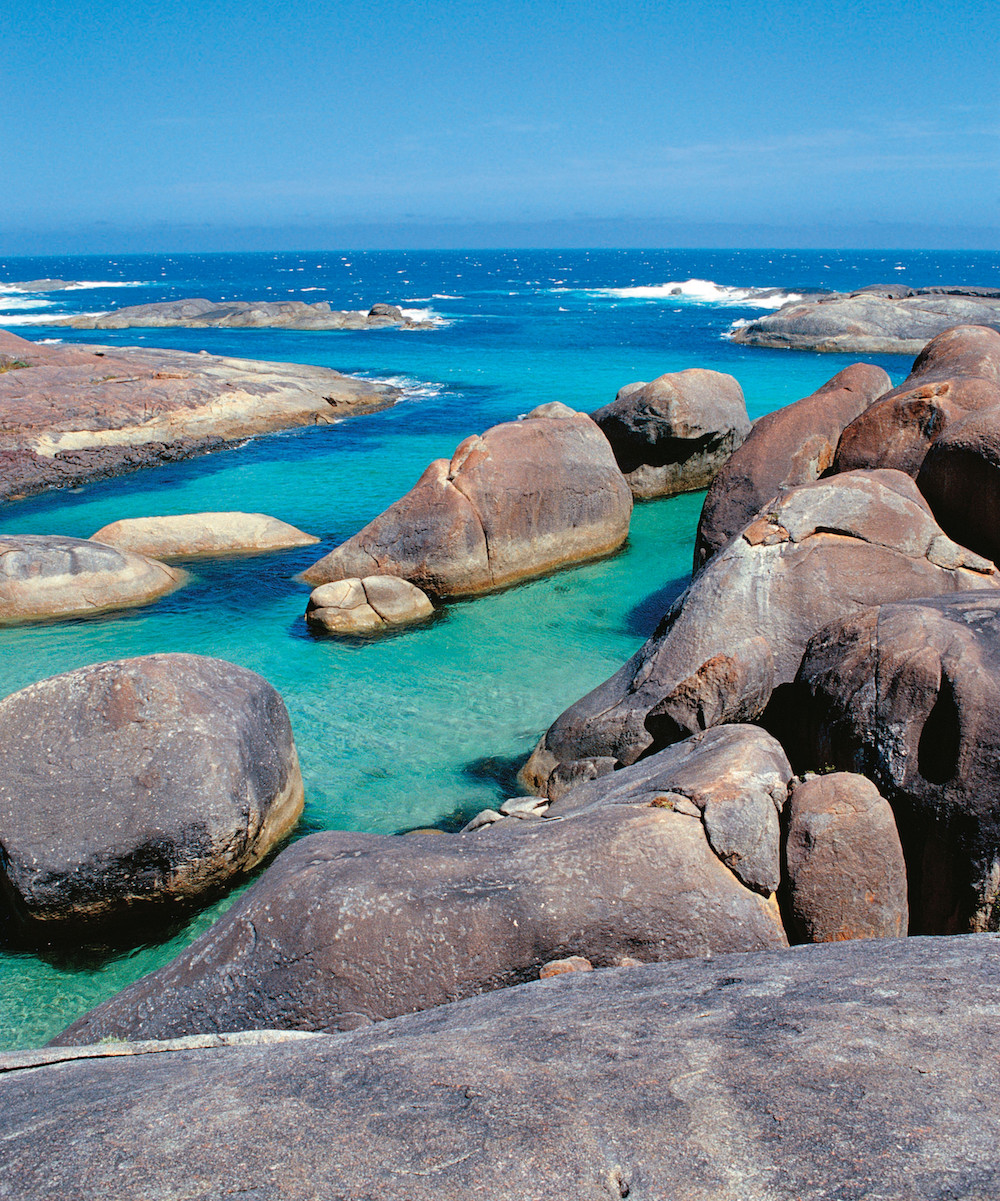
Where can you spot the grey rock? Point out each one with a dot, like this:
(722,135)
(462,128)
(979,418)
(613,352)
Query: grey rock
(199,313)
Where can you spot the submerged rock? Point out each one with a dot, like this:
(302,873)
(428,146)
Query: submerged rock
(366,606)
(46,576)
(520,500)
(202,535)
(138,784)
(673,435)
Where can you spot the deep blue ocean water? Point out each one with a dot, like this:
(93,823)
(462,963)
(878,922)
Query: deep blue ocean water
(426,726)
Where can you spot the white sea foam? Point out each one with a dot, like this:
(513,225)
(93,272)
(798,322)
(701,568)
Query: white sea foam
(445,296)
(701,291)
(32,318)
(49,341)
(425,315)
(11,303)
(413,389)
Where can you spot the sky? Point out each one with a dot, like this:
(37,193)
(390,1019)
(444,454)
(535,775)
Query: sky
(133,126)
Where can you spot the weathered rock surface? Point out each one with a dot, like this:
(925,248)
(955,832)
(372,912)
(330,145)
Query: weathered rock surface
(138,783)
(521,499)
(845,869)
(366,606)
(909,695)
(960,477)
(48,576)
(241,314)
(794,445)
(40,285)
(673,435)
(79,413)
(202,535)
(345,928)
(824,550)
(697,1079)
(956,374)
(874,320)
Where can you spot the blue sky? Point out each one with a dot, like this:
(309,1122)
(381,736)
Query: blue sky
(222,125)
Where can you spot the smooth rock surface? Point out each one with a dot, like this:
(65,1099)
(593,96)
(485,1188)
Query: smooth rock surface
(874,320)
(791,446)
(138,783)
(960,477)
(79,413)
(202,535)
(825,550)
(855,1070)
(376,603)
(45,576)
(673,435)
(345,929)
(199,313)
(522,499)
(909,695)
(845,870)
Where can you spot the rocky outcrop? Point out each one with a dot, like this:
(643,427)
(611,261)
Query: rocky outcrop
(520,500)
(874,320)
(138,785)
(673,435)
(346,929)
(956,374)
(791,446)
(368,606)
(241,314)
(703,1079)
(909,695)
(39,285)
(47,576)
(846,877)
(822,551)
(960,477)
(76,413)
(202,535)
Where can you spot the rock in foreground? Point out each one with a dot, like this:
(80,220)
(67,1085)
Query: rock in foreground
(75,413)
(367,606)
(875,320)
(46,576)
(202,535)
(138,783)
(850,1070)
(520,500)
(673,435)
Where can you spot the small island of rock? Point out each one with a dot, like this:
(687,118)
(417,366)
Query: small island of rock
(199,313)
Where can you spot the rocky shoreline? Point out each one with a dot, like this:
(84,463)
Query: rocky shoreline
(76,413)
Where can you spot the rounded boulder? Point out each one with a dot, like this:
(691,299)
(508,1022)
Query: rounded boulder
(366,606)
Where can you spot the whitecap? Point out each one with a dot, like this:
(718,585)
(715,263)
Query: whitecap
(700,291)
(33,319)
(424,315)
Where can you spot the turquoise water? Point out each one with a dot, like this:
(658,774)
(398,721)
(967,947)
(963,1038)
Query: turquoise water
(428,726)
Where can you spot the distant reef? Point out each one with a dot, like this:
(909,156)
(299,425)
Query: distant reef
(880,319)
(71,414)
(242,314)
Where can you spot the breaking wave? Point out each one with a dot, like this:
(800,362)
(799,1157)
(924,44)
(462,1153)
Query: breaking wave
(702,291)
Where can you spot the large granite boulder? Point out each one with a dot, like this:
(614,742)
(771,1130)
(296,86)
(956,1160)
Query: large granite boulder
(909,695)
(138,784)
(346,929)
(794,445)
(879,319)
(845,873)
(370,606)
(822,551)
(847,1070)
(673,435)
(202,535)
(955,374)
(522,499)
(960,477)
(48,576)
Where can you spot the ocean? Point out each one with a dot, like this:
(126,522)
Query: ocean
(425,727)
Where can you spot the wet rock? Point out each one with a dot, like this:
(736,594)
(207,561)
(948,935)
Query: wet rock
(366,606)
(909,695)
(520,500)
(202,535)
(136,785)
(845,869)
(345,928)
(823,551)
(673,435)
(794,445)
(48,576)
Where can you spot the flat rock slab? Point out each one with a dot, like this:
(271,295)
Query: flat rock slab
(202,535)
(46,576)
(873,320)
(852,1071)
(198,313)
(76,413)
(139,783)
